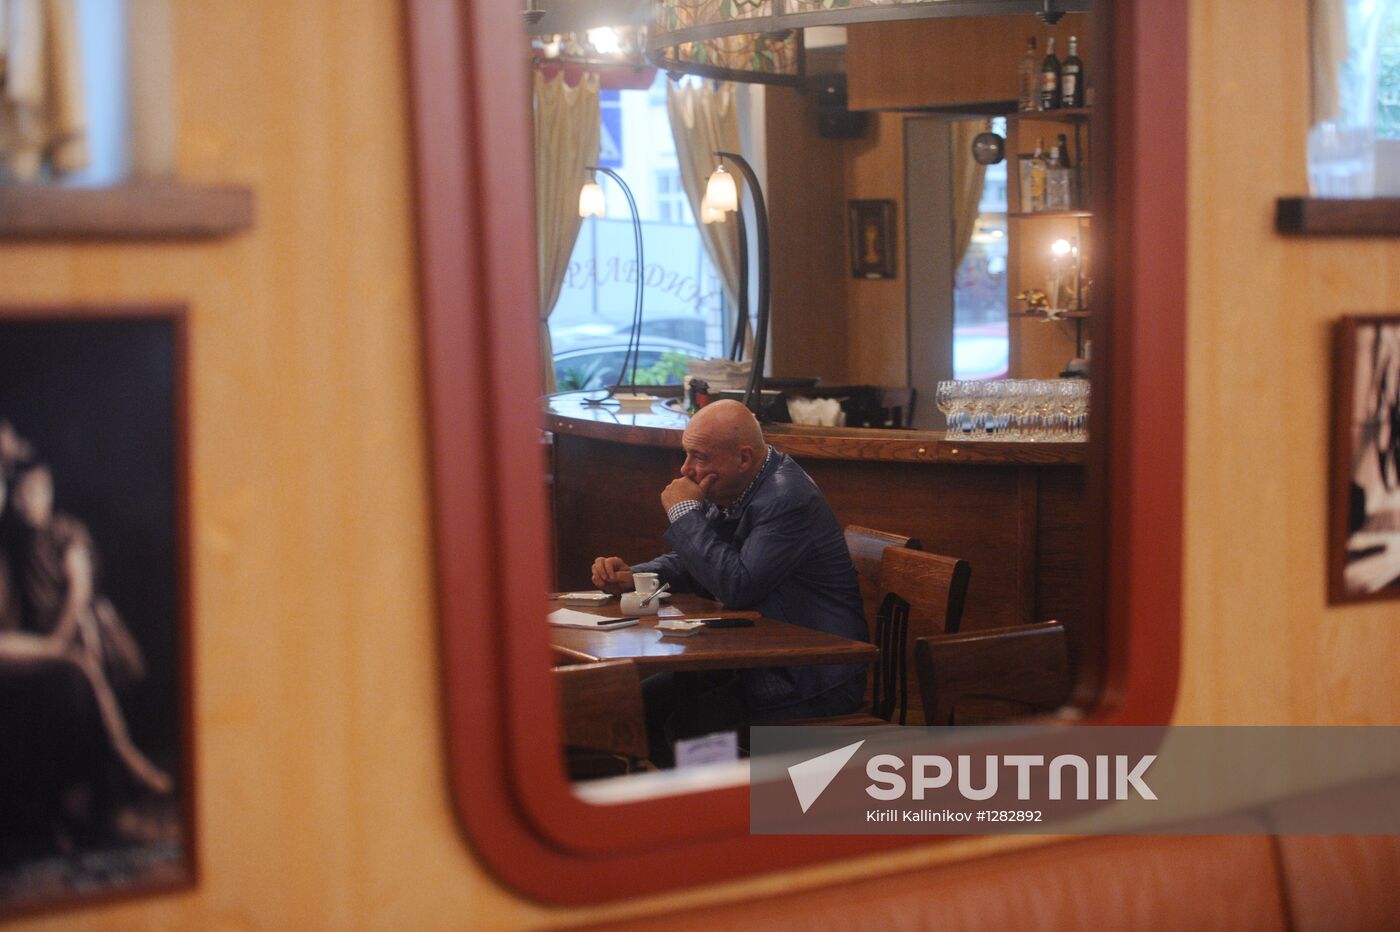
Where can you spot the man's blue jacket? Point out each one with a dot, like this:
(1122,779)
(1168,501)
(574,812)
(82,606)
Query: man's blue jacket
(784,556)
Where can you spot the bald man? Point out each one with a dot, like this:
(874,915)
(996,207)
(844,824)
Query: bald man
(749,528)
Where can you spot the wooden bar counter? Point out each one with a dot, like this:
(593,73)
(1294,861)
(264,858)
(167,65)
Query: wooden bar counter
(1014,511)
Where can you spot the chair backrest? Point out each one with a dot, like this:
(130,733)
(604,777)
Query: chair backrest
(867,547)
(924,594)
(602,708)
(1007,672)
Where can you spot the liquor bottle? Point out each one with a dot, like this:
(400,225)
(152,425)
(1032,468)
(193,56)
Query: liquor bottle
(1027,74)
(1057,180)
(1033,180)
(1063,146)
(1050,77)
(1068,164)
(1072,77)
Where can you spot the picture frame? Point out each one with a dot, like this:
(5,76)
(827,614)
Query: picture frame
(97,788)
(873,240)
(1364,523)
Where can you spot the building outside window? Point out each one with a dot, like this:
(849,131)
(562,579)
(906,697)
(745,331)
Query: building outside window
(671,203)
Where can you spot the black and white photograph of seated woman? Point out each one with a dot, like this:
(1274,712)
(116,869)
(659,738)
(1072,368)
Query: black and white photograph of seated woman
(91,799)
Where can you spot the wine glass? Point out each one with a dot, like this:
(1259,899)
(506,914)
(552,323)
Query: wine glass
(1066,405)
(1081,410)
(1018,404)
(1043,401)
(946,398)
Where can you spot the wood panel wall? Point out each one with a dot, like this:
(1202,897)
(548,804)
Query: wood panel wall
(321,794)
(807,208)
(878,309)
(942,62)
(322,798)
(1262,647)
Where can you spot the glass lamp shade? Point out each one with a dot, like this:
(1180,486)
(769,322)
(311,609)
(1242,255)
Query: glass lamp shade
(721,192)
(709,214)
(590,200)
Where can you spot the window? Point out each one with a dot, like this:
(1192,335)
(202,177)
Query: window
(102,37)
(981,347)
(683,306)
(91,51)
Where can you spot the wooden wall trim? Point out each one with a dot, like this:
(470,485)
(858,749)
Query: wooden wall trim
(146,210)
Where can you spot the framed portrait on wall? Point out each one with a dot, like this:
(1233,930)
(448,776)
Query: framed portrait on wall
(1364,550)
(96,788)
(872,235)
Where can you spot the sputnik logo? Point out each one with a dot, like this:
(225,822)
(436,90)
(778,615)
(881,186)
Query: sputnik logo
(811,777)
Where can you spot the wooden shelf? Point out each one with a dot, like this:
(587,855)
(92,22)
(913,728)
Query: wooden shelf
(1066,115)
(1319,216)
(1050,214)
(138,211)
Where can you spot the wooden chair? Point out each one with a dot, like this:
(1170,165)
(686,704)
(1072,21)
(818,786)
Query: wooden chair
(993,675)
(604,722)
(924,595)
(867,547)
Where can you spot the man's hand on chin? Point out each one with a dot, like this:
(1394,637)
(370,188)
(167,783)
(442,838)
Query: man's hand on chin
(683,490)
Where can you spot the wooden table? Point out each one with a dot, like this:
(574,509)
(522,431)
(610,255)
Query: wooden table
(769,643)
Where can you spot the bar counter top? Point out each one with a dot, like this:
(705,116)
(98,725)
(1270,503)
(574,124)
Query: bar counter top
(566,413)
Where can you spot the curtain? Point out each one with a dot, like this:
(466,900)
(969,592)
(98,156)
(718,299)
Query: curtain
(967,185)
(43,116)
(1329,50)
(705,119)
(566,139)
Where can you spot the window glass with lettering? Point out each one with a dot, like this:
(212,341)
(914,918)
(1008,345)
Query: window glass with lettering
(684,306)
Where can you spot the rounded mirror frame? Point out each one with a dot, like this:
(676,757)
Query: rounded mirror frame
(476,241)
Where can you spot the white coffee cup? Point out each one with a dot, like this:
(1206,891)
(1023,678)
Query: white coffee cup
(632,604)
(646,583)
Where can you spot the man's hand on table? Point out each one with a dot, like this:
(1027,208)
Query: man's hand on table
(683,490)
(612,574)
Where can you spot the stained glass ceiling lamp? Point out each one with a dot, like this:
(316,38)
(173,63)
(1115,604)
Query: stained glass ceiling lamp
(760,41)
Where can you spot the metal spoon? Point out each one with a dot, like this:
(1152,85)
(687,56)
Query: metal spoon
(664,587)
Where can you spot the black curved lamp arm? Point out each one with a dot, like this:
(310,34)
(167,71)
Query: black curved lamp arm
(760,216)
(634,339)
(741,313)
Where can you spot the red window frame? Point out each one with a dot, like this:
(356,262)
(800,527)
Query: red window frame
(476,238)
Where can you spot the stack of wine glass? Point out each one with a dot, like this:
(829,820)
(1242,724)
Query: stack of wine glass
(1015,409)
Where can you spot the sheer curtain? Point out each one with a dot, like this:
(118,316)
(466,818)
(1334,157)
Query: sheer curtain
(566,139)
(43,115)
(968,176)
(1329,50)
(705,119)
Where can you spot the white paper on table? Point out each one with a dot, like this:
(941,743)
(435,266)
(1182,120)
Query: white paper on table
(568,618)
